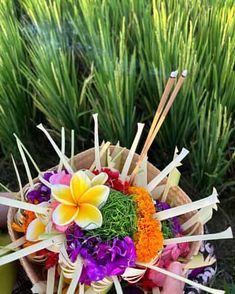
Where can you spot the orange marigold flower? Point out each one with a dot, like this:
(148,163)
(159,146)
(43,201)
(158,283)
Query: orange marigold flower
(148,238)
(28,244)
(29,216)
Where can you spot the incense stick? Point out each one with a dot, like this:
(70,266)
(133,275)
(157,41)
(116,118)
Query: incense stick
(166,110)
(158,120)
(157,115)
(161,105)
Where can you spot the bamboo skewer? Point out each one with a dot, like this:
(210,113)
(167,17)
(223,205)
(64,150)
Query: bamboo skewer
(165,112)
(159,110)
(159,117)
(163,100)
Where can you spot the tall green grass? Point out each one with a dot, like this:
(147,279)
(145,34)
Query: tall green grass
(101,31)
(229,287)
(210,157)
(114,58)
(58,87)
(16,108)
(189,35)
(161,36)
(199,37)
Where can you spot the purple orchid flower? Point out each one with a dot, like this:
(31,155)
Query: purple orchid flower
(100,258)
(42,193)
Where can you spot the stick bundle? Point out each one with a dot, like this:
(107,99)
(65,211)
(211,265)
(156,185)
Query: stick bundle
(160,115)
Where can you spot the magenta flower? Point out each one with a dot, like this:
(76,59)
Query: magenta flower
(100,258)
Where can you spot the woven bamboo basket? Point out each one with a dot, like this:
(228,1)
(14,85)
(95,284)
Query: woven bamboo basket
(84,160)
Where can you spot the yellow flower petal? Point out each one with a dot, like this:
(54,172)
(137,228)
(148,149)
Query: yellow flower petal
(64,214)
(96,196)
(89,217)
(79,184)
(62,194)
(100,179)
(34,230)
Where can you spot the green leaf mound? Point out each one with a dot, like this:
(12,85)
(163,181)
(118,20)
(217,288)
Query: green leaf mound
(119,217)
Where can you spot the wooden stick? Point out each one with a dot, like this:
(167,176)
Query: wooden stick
(166,110)
(161,119)
(157,115)
(161,105)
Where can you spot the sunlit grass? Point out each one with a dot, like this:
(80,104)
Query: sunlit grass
(114,58)
(16,107)
(58,89)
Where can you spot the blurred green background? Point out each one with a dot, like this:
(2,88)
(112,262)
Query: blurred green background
(61,61)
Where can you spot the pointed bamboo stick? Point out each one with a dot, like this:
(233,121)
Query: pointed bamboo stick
(72,147)
(165,172)
(18,178)
(96,140)
(56,148)
(180,278)
(131,153)
(62,148)
(227,234)
(23,205)
(188,207)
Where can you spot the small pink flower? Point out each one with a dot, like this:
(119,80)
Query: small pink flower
(61,229)
(175,253)
(184,249)
(60,178)
(170,254)
(156,277)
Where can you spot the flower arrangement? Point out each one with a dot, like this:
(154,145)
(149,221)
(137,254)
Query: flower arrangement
(107,218)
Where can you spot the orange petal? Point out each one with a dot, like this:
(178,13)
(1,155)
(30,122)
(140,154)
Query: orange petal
(100,179)
(89,217)
(64,214)
(96,196)
(34,230)
(79,184)
(62,194)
